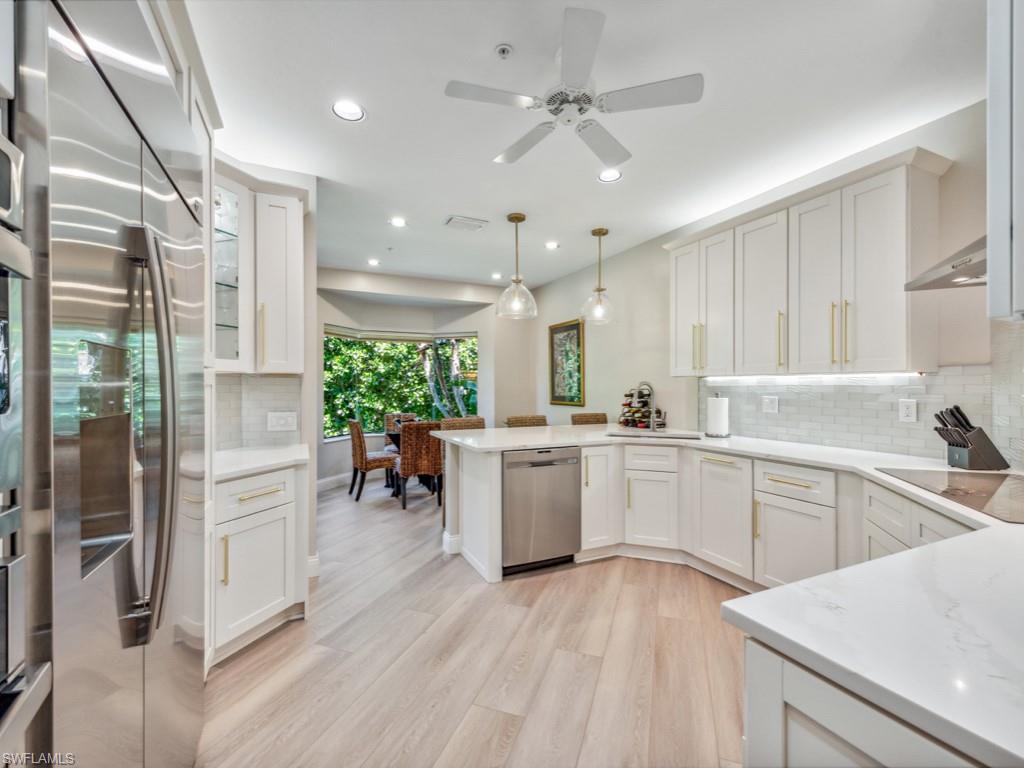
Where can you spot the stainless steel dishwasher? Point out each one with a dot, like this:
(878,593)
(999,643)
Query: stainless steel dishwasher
(540,507)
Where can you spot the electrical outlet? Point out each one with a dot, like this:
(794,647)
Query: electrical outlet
(908,410)
(282,421)
(769,404)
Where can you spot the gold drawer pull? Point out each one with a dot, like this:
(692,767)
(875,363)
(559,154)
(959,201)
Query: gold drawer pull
(227,551)
(757,519)
(716,459)
(629,493)
(191,499)
(264,492)
(784,481)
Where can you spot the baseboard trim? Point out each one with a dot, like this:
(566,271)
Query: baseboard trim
(334,481)
(451,545)
(669,556)
(313,566)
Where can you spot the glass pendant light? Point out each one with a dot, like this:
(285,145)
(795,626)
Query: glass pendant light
(597,309)
(516,302)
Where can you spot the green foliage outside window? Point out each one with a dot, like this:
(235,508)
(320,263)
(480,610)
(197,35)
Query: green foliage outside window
(364,379)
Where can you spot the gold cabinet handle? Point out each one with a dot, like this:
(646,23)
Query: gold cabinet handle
(784,481)
(586,471)
(717,459)
(262,333)
(846,331)
(778,337)
(264,492)
(702,357)
(629,493)
(757,519)
(832,331)
(693,346)
(227,554)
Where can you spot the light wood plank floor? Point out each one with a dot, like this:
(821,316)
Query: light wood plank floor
(408,658)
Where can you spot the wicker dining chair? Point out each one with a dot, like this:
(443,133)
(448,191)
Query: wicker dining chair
(464,422)
(590,418)
(391,425)
(364,461)
(420,455)
(526,421)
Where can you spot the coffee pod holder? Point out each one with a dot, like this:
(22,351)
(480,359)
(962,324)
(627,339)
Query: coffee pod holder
(981,455)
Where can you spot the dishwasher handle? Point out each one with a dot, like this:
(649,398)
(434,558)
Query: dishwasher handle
(546,463)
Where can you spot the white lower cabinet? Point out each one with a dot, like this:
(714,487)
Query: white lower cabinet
(723,517)
(792,539)
(794,718)
(601,513)
(254,568)
(878,543)
(652,508)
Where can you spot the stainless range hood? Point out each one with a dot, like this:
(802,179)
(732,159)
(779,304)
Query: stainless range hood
(965,268)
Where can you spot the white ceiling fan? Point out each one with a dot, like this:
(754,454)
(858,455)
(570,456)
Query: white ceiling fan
(569,101)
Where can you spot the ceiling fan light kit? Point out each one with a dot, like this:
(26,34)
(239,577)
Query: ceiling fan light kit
(597,309)
(516,302)
(575,96)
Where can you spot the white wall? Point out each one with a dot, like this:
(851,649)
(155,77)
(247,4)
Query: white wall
(635,345)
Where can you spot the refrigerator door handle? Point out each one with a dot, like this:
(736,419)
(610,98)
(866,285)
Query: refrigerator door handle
(163,314)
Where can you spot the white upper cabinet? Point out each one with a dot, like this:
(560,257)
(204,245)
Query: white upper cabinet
(818,286)
(761,311)
(279,284)
(815,284)
(1005,163)
(234,278)
(684,309)
(716,304)
(885,218)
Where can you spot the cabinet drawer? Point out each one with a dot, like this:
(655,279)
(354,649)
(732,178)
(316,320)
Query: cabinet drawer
(801,483)
(888,510)
(656,458)
(246,495)
(928,526)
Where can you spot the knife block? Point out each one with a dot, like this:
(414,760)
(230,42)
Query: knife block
(982,454)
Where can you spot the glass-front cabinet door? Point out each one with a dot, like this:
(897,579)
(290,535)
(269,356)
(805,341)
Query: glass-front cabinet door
(233,274)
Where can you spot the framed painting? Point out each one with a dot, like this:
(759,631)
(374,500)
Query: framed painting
(566,363)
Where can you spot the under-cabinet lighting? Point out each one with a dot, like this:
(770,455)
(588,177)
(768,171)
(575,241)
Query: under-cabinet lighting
(794,379)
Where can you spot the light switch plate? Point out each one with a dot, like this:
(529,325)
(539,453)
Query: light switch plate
(908,410)
(282,421)
(769,404)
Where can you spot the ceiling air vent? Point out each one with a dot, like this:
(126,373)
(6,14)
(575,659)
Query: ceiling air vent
(466,223)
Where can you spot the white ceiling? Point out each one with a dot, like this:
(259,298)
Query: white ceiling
(790,86)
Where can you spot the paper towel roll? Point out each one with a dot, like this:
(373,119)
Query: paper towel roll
(718,417)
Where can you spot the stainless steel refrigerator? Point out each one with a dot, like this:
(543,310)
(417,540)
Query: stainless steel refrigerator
(127,266)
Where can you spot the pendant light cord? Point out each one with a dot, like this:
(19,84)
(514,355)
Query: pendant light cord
(516,276)
(599,262)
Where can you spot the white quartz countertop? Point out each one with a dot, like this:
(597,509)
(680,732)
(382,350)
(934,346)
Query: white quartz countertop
(863,463)
(240,462)
(934,635)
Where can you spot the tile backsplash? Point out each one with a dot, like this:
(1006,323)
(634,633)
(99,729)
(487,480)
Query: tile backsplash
(243,402)
(861,411)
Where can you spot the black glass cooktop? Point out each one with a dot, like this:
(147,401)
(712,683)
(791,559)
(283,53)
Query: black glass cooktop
(998,495)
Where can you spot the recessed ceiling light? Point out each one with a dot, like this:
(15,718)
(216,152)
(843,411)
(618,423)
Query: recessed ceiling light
(551,245)
(495,275)
(373,262)
(348,110)
(397,221)
(609,175)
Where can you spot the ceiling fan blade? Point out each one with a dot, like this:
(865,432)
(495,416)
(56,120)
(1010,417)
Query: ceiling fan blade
(581,32)
(603,144)
(525,144)
(460,90)
(664,93)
